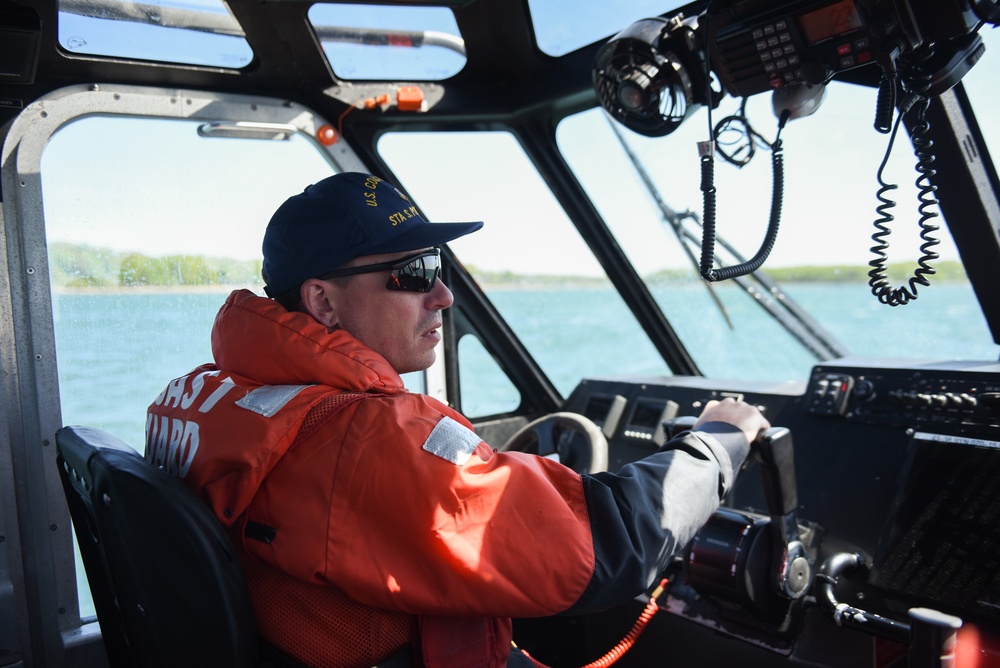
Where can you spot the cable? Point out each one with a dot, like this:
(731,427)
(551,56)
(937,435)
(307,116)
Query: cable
(735,131)
(707,159)
(626,643)
(708,272)
(382,100)
(922,149)
(708,215)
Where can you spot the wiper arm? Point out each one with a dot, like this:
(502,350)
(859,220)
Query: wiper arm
(757,284)
(669,216)
(389,37)
(769,295)
(168,17)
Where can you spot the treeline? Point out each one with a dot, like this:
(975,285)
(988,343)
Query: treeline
(509,279)
(75,266)
(897,273)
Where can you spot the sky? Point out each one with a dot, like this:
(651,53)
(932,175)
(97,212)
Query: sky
(150,216)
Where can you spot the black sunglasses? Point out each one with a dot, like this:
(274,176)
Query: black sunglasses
(415,273)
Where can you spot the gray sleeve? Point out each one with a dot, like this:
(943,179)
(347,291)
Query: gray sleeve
(728,446)
(648,510)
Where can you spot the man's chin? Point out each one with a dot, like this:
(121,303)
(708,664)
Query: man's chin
(422,363)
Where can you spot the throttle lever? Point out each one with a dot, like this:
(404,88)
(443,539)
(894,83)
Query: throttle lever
(776,455)
(774,451)
(675,425)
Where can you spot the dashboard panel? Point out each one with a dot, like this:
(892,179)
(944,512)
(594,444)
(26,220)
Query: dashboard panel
(897,464)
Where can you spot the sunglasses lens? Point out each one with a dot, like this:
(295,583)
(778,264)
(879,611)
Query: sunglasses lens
(418,275)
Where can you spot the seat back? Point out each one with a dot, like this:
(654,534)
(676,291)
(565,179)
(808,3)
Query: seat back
(167,584)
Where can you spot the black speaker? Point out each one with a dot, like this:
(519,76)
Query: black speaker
(20,43)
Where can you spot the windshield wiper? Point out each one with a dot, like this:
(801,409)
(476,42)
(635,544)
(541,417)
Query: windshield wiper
(757,284)
(387,37)
(217,23)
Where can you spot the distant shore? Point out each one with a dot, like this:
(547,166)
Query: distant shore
(83,269)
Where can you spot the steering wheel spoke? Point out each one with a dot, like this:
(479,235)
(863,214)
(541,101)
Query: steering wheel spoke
(569,438)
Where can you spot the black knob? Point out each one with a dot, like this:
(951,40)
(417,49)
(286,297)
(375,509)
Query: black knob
(864,390)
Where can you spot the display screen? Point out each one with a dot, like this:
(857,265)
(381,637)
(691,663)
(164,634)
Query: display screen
(942,542)
(647,414)
(830,21)
(598,407)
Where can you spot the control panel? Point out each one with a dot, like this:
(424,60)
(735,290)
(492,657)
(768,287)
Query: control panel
(790,43)
(958,396)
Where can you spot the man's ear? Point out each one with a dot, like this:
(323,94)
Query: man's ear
(317,301)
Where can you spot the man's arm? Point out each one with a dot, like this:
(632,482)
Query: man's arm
(651,508)
(451,528)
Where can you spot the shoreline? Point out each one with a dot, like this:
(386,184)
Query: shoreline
(150,289)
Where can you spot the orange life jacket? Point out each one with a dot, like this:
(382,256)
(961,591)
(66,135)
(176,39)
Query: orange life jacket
(392,499)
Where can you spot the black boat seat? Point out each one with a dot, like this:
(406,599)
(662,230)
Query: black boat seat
(167,585)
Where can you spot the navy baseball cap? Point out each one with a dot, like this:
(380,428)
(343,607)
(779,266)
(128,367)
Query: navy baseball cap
(340,218)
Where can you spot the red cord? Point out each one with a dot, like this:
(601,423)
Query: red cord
(367,103)
(626,643)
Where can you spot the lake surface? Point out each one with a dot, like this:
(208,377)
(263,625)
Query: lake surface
(116,351)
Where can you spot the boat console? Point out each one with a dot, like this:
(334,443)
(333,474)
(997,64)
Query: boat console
(879,528)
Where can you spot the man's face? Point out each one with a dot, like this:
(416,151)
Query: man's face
(401,326)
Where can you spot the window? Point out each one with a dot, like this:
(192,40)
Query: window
(528,257)
(983,92)
(196,32)
(827,221)
(149,226)
(562,26)
(486,390)
(384,43)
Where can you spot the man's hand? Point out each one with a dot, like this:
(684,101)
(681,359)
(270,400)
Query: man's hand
(741,415)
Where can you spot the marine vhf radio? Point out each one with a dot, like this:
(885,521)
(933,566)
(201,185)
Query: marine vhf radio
(923,48)
(756,46)
(651,77)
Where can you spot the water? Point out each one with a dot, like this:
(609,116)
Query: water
(600,337)
(116,351)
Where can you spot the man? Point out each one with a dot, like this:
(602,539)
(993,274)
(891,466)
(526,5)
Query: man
(374,520)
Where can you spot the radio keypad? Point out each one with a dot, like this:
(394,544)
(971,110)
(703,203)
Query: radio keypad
(777,53)
(782,61)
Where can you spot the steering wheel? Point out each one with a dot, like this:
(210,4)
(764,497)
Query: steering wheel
(570,438)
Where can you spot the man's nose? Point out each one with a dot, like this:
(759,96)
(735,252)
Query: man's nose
(440,296)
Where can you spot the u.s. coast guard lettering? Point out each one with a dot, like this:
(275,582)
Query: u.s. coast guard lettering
(172,442)
(371,183)
(400,216)
(371,199)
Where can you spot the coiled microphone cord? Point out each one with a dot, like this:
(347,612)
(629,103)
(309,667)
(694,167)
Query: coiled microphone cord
(922,148)
(708,272)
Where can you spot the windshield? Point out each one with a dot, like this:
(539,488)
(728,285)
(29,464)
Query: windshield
(819,262)
(821,256)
